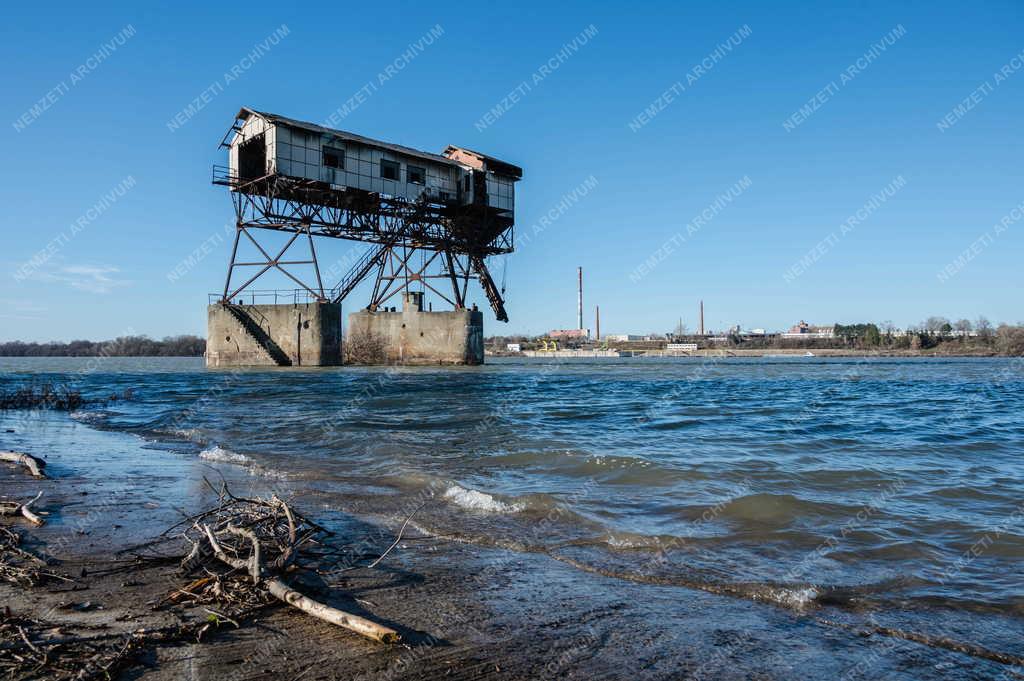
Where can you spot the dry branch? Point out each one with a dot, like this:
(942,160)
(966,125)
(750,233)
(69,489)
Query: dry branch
(283,592)
(19,566)
(34,465)
(258,540)
(14,508)
(34,649)
(335,616)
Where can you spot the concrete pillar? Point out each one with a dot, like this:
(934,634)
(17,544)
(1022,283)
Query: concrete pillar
(415,337)
(305,334)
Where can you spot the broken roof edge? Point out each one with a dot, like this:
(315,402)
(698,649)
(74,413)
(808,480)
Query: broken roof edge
(245,112)
(511,169)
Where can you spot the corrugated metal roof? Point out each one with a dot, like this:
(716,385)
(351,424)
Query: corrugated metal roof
(245,112)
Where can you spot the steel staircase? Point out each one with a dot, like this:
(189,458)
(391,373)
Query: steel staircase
(360,269)
(493,296)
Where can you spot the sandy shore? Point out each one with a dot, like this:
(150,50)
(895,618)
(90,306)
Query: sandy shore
(464,611)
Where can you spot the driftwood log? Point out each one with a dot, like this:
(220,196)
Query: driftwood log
(14,508)
(33,464)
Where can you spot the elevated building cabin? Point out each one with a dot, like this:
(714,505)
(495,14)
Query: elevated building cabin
(264,144)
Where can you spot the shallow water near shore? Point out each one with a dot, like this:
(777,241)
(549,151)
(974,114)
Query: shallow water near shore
(870,492)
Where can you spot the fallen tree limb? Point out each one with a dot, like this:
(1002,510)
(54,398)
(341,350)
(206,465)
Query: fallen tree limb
(14,508)
(283,592)
(334,616)
(34,465)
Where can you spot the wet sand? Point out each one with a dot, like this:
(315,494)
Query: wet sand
(464,611)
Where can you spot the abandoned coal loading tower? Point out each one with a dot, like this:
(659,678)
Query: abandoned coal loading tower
(430,222)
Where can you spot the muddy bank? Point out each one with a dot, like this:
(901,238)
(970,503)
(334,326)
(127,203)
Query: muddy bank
(464,611)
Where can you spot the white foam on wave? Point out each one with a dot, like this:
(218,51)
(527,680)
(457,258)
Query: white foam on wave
(222,455)
(617,461)
(478,501)
(792,598)
(88,416)
(185,433)
(621,542)
(270,473)
(218,453)
(627,540)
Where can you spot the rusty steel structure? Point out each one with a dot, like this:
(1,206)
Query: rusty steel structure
(433,231)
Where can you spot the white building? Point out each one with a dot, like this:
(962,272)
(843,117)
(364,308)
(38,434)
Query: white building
(513,347)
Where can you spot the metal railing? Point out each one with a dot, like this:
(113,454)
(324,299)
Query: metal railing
(224,175)
(267,297)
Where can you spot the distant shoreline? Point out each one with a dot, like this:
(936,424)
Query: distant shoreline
(124,346)
(650,354)
(764,352)
(98,356)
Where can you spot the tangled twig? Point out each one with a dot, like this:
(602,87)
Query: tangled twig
(259,541)
(19,566)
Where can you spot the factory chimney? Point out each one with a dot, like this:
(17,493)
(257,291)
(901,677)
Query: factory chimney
(702,317)
(579,306)
(597,315)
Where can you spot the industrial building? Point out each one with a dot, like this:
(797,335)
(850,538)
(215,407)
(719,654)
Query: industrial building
(452,210)
(805,330)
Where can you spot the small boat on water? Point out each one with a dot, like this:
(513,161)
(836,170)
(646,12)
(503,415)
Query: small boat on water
(808,354)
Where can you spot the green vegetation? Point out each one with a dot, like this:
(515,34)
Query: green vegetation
(935,335)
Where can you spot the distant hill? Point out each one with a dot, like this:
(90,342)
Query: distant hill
(126,346)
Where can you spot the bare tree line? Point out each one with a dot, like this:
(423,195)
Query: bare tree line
(125,346)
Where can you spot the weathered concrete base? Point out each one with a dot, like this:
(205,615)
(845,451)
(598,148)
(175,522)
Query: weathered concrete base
(413,336)
(306,334)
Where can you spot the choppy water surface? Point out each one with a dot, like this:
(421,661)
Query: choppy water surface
(889,491)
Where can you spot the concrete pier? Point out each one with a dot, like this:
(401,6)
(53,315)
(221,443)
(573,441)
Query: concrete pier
(304,334)
(415,337)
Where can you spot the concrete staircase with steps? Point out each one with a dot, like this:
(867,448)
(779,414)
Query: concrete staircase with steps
(259,334)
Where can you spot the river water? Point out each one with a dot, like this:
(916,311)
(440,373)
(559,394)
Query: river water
(887,492)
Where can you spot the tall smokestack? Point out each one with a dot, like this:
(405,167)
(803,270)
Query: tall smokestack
(579,307)
(597,315)
(702,317)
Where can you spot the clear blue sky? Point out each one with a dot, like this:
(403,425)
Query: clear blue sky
(110,278)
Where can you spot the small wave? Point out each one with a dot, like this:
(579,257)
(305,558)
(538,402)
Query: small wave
(191,434)
(88,416)
(269,473)
(795,599)
(599,461)
(479,501)
(218,453)
(631,541)
(780,510)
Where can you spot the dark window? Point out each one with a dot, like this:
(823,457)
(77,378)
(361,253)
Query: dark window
(334,158)
(416,175)
(467,183)
(252,158)
(388,169)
